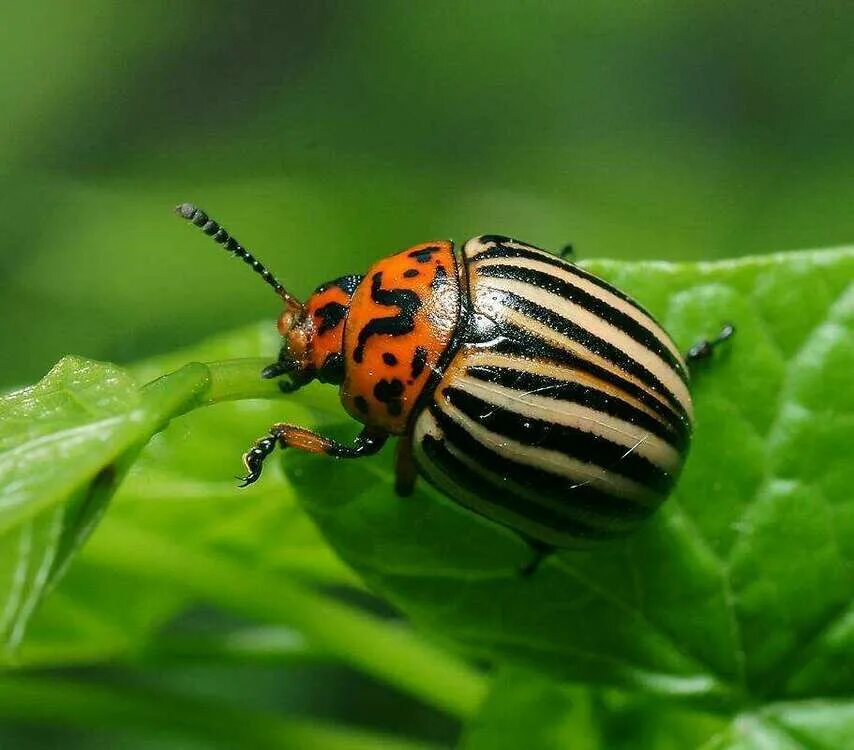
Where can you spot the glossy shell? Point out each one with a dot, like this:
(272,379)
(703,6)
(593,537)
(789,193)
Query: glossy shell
(563,411)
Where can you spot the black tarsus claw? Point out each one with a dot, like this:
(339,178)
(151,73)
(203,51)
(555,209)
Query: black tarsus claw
(247,480)
(253,459)
(704,349)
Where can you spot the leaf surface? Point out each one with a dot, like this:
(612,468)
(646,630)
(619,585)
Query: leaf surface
(740,590)
(64,445)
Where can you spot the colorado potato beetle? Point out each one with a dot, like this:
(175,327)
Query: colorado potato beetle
(520,385)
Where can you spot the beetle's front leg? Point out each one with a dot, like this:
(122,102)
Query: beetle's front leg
(367,443)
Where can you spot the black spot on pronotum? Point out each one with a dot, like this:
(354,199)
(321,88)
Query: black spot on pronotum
(423,255)
(418,361)
(361,404)
(407,302)
(330,316)
(410,273)
(389,392)
(389,359)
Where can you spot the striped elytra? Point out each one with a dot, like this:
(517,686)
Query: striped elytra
(523,387)
(569,417)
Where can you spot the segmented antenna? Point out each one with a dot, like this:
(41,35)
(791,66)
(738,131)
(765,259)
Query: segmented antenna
(214,230)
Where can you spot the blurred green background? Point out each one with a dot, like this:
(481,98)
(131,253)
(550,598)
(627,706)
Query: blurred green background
(325,135)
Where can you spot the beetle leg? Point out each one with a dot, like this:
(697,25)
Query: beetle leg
(567,251)
(366,443)
(540,552)
(704,349)
(405,470)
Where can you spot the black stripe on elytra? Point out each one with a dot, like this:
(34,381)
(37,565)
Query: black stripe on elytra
(595,344)
(591,303)
(423,254)
(455,472)
(407,302)
(498,239)
(570,441)
(346,284)
(330,316)
(536,253)
(522,342)
(545,484)
(578,393)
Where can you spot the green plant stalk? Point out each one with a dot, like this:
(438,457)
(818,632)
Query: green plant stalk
(88,706)
(235,379)
(225,380)
(386,651)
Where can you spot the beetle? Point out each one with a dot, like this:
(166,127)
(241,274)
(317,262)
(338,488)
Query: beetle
(520,385)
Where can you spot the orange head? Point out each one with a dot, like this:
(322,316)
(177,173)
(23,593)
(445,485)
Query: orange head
(314,339)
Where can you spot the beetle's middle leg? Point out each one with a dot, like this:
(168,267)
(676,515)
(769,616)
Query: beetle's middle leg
(367,443)
(405,470)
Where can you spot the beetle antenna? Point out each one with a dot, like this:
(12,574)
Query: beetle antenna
(214,230)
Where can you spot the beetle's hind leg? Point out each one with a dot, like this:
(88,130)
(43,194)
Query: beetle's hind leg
(705,348)
(367,443)
(539,553)
(405,470)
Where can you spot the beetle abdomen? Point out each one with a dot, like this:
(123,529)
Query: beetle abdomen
(566,415)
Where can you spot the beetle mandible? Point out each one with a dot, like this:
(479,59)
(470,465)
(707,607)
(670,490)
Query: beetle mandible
(520,385)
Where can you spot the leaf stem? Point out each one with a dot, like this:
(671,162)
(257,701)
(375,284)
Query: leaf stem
(388,652)
(235,379)
(224,380)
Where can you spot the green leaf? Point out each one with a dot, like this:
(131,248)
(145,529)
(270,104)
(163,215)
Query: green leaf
(182,486)
(740,590)
(64,445)
(525,709)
